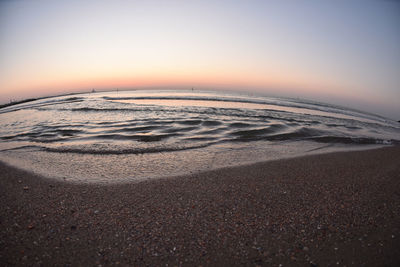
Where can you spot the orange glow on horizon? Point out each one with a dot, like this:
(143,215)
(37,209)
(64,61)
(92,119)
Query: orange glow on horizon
(280,82)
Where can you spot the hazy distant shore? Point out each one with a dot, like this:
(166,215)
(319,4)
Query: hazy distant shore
(325,209)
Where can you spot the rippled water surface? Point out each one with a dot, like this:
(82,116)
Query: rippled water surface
(124,136)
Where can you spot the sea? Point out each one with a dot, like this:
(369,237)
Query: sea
(126,136)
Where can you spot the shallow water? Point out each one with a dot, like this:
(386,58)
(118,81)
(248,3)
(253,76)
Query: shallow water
(124,136)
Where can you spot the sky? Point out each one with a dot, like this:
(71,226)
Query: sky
(340,52)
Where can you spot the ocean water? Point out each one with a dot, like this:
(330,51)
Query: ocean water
(133,135)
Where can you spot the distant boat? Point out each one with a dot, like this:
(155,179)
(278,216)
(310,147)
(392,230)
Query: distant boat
(93,91)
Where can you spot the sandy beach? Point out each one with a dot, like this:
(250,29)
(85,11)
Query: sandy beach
(323,210)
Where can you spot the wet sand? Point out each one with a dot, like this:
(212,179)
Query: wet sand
(340,208)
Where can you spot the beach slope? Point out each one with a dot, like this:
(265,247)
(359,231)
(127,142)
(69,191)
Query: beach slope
(340,208)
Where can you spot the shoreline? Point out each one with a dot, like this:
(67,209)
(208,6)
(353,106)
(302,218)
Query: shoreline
(340,207)
(185,164)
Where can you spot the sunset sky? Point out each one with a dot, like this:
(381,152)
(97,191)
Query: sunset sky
(342,52)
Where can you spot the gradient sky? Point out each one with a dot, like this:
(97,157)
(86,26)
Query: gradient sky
(343,52)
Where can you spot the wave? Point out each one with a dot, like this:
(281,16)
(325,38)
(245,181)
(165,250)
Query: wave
(94,151)
(107,124)
(253,127)
(308,134)
(263,115)
(45,134)
(136,137)
(278,102)
(88,109)
(35,105)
